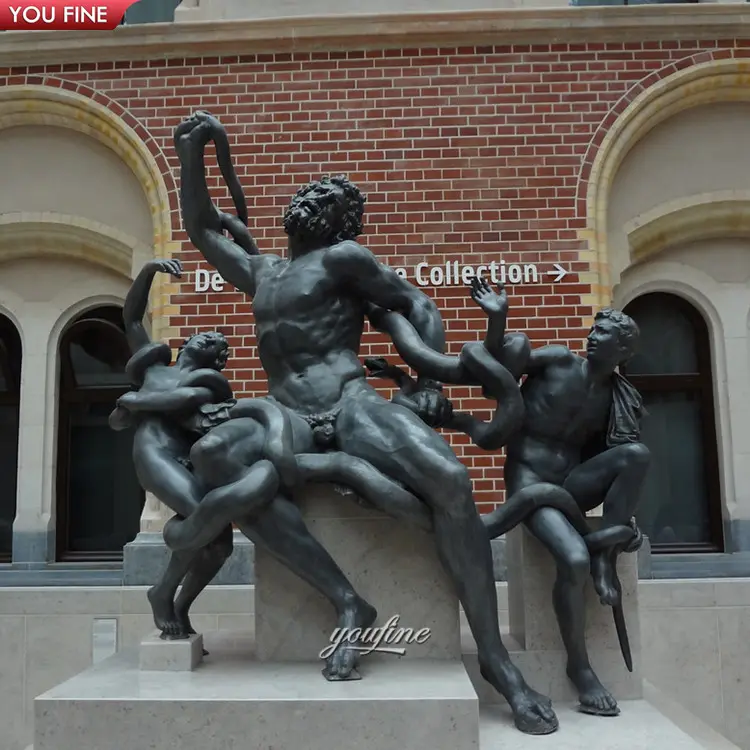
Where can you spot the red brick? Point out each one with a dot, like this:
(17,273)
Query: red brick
(472,154)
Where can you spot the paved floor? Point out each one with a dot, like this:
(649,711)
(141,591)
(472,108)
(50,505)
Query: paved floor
(640,726)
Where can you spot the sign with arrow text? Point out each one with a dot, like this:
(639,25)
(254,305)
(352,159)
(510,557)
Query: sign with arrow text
(450,273)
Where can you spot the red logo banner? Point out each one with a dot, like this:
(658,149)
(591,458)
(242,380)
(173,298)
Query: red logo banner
(57,15)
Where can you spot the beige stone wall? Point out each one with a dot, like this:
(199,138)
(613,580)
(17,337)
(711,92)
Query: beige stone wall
(214,10)
(49,635)
(43,294)
(677,221)
(85,209)
(695,649)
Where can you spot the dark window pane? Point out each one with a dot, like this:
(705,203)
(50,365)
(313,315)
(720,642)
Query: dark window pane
(668,342)
(10,357)
(10,381)
(98,353)
(674,508)
(105,498)
(680,504)
(8,474)
(99,495)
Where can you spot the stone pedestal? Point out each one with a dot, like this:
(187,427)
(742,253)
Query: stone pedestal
(159,655)
(534,639)
(277,697)
(393,566)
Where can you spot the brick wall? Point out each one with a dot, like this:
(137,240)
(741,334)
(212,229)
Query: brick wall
(470,154)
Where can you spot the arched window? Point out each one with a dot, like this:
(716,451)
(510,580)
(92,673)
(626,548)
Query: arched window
(99,500)
(680,509)
(10,398)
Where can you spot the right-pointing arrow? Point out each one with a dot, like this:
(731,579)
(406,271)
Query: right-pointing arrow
(560,271)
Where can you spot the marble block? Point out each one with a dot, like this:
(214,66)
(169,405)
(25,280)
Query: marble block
(159,655)
(234,703)
(540,653)
(391,564)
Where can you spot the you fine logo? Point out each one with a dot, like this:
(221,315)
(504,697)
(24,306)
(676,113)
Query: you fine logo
(367,640)
(58,15)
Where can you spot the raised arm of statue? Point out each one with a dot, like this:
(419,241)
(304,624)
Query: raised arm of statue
(136,301)
(237,259)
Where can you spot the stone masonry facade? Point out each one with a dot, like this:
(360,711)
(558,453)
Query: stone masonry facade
(465,154)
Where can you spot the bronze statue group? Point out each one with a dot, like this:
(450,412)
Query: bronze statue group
(569,425)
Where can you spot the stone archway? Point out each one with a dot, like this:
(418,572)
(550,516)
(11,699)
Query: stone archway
(643,109)
(90,254)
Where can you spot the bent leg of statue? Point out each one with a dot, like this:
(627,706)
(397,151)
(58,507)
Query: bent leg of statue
(222,457)
(614,478)
(209,562)
(160,473)
(281,529)
(522,503)
(573,566)
(256,486)
(400,445)
(373,486)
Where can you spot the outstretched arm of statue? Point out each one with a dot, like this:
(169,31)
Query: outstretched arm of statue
(176,400)
(238,259)
(136,301)
(356,266)
(396,307)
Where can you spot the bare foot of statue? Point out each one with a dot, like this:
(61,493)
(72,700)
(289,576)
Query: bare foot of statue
(603,574)
(165,617)
(593,697)
(183,618)
(342,663)
(532,711)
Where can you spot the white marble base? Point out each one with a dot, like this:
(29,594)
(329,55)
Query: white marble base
(235,703)
(391,564)
(159,655)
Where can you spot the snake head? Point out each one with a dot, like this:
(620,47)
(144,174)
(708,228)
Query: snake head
(377,366)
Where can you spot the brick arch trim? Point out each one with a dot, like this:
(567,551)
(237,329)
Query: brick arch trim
(718,75)
(59,103)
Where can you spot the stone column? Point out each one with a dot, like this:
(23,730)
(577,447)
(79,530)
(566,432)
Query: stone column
(734,422)
(34,528)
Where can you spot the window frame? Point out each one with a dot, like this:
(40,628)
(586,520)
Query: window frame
(69,395)
(700,384)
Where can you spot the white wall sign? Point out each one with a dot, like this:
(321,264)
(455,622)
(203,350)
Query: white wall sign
(451,273)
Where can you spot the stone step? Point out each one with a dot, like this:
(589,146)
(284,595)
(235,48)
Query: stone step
(60,575)
(398,705)
(640,726)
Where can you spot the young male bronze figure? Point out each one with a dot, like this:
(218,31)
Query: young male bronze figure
(581,433)
(170,408)
(310,311)
(575,446)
